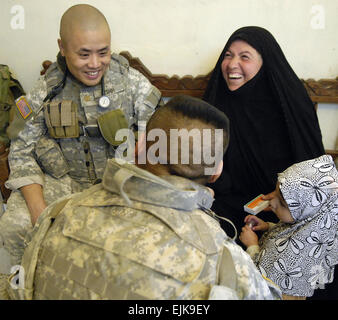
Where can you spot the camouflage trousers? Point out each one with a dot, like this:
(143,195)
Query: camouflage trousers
(15,223)
(3,289)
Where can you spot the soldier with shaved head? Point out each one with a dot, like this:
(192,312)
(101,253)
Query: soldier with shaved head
(71,117)
(85,33)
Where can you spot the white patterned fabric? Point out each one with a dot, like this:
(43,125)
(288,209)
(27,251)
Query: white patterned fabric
(301,256)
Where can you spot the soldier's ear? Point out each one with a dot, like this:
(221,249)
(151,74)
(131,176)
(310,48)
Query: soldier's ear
(61,47)
(217,173)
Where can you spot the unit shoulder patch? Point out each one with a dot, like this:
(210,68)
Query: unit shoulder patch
(23,107)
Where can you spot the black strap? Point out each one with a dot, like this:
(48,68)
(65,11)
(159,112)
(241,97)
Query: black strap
(57,89)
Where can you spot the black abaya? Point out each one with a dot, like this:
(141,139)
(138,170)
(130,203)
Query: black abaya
(273,124)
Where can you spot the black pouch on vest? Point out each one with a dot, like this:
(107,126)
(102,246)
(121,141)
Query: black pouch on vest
(61,119)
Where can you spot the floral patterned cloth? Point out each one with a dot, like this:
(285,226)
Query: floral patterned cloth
(301,256)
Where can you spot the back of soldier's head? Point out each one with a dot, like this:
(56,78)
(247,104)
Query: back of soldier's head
(197,135)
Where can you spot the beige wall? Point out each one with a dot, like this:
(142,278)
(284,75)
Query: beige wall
(328,121)
(177,36)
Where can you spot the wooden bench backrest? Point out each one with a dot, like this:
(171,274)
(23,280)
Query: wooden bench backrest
(320,91)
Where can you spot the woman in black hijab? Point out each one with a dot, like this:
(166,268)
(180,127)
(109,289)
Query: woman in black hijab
(273,122)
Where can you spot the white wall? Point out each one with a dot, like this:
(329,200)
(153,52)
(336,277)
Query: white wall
(176,36)
(328,121)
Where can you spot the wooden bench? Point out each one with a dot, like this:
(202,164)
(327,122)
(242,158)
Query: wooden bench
(321,91)
(324,90)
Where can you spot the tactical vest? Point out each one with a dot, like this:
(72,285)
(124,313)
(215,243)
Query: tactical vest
(82,146)
(134,236)
(190,278)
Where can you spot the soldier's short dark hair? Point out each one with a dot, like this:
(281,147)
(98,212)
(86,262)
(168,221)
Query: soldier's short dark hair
(197,109)
(185,112)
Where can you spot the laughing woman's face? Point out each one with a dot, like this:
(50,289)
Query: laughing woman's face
(240,64)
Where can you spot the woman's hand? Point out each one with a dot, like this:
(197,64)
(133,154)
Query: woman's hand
(269,197)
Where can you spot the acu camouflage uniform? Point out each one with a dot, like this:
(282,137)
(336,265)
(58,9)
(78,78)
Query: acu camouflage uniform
(137,236)
(67,165)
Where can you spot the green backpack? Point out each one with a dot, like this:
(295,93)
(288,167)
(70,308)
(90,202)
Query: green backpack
(10,90)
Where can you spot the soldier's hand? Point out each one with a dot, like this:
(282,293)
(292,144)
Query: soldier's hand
(248,237)
(257,223)
(36,214)
(34,199)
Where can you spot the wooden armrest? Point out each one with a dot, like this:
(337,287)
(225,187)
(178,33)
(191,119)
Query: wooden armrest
(4,172)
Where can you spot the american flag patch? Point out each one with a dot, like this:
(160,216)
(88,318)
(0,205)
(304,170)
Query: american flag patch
(23,106)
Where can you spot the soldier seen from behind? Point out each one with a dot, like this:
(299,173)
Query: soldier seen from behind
(147,231)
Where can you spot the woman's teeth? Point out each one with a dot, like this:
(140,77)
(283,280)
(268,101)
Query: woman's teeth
(234,76)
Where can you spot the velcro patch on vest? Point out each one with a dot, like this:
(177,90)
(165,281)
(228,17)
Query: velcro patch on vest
(23,107)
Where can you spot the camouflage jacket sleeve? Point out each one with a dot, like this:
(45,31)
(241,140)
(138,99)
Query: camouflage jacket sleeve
(146,97)
(251,285)
(253,251)
(24,169)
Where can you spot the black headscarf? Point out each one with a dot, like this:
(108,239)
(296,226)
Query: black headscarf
(273,124)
